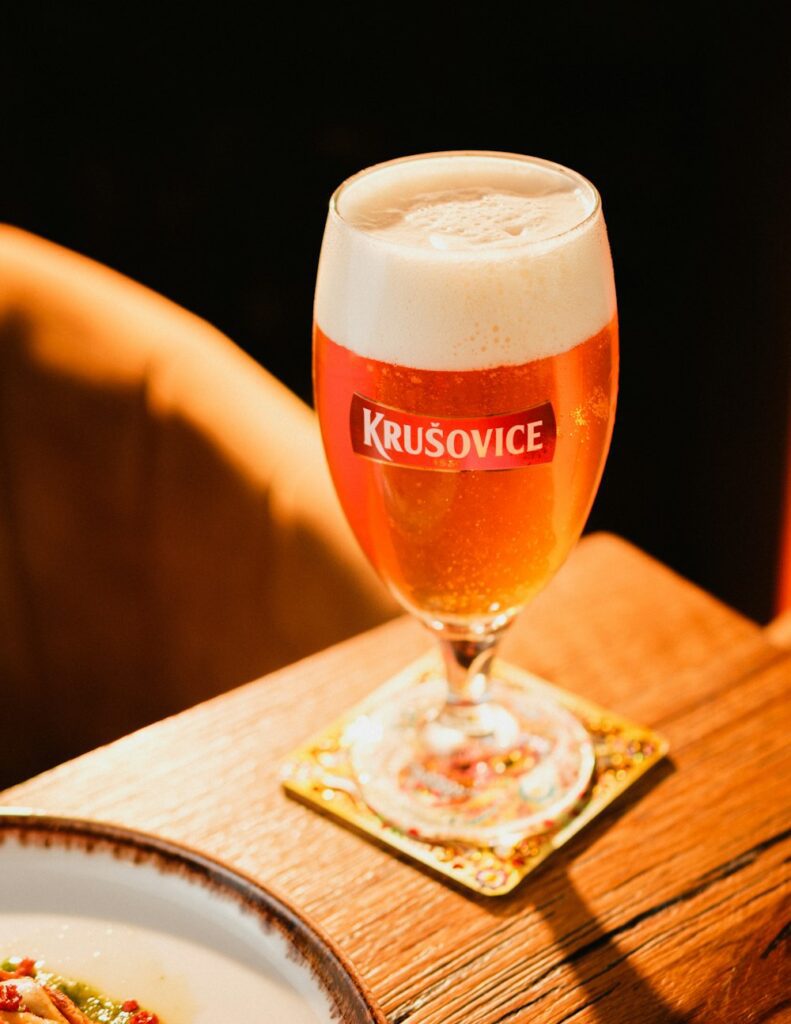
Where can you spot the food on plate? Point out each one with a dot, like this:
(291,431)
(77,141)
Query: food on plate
(32,994)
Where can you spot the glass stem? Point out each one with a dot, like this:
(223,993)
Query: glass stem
(469,713)
(468,664)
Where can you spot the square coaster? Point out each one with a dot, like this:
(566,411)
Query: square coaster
(319,773)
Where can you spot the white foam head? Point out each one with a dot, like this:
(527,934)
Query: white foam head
(464,260)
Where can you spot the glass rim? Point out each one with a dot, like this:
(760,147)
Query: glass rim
(336,215)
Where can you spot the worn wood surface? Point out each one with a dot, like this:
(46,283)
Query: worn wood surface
(671,907)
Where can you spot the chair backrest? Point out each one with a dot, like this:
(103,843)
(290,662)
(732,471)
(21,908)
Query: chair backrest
(784,574)
(168,528)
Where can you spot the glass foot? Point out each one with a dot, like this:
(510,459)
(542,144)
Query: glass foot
(488,775)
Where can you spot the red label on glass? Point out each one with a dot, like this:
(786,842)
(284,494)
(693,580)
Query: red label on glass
(503,441)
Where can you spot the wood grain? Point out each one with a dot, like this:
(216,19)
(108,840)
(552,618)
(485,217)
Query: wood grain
(670,907)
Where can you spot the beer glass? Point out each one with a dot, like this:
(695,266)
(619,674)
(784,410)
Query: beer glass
(465,372)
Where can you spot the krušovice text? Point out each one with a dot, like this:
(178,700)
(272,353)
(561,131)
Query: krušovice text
(504,441)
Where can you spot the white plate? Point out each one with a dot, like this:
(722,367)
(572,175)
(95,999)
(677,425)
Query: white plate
(191,940)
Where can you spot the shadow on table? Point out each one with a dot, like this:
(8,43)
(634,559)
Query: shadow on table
(615,990)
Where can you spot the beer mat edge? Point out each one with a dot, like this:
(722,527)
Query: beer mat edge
(317,773)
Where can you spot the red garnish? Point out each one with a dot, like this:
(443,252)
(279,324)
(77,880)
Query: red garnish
(25,969)
(130,1005)
(10,998)
(141,1017)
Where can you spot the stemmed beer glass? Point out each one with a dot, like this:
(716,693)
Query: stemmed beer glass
(465,365)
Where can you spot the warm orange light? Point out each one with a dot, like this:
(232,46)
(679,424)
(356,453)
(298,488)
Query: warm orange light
(784,579)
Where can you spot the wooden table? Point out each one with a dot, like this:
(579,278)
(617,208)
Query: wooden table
(670,907)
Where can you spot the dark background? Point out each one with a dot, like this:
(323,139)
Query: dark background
(197,155)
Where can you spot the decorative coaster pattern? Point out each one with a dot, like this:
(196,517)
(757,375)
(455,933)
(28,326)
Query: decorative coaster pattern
(319,773)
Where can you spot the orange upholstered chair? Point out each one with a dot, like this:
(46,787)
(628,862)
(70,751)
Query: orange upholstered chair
(167,524)
(780,629)
(784,582)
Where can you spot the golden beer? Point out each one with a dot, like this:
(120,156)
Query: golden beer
(475,544)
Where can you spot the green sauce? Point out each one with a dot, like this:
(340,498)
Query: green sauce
(94,1005)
